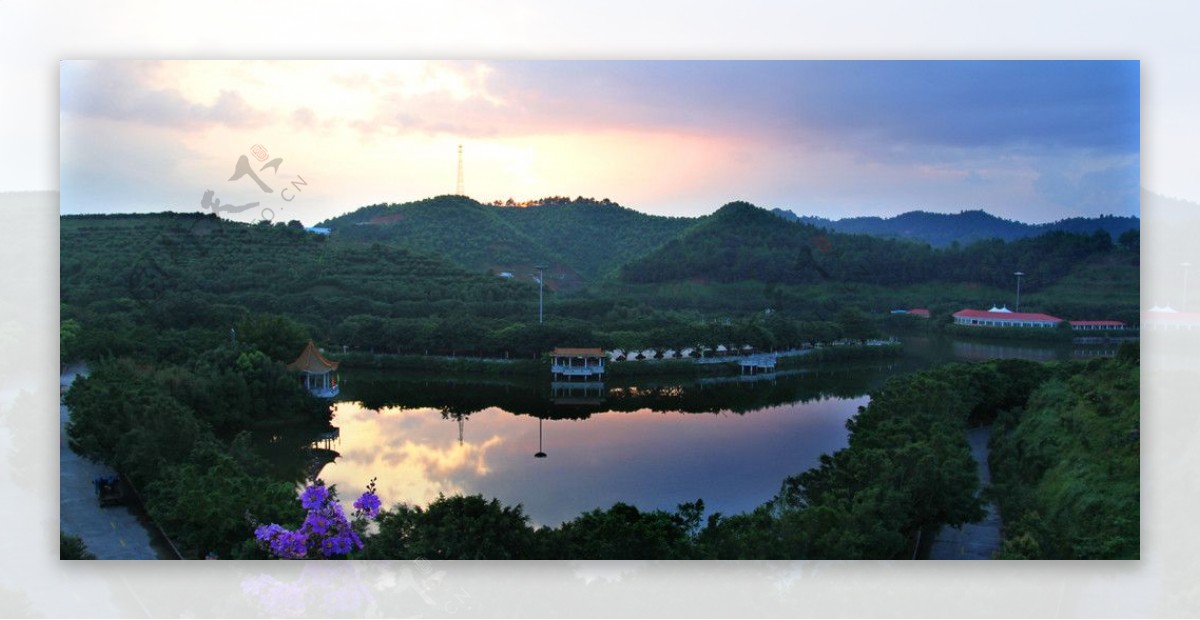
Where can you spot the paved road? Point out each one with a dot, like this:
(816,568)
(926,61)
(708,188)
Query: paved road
(973,541)
(112,533)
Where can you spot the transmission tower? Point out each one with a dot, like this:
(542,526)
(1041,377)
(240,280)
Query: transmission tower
(458,189)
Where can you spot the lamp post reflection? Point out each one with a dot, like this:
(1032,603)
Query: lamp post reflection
(539,454)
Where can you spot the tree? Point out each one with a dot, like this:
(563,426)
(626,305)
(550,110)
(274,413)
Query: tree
(72,548)
(279,337)
(204,502)
(857,326)
(623,533)
(453,528)
(1130,240)
(68,338)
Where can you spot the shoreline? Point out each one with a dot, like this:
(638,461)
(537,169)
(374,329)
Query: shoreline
(728,365)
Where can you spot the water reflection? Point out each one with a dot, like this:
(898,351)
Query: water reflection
(653,443)
(933,350)
(463,397)
(651,458)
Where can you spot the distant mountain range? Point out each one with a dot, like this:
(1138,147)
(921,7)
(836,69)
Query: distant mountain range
(741,242)
(966,227)
(580,241)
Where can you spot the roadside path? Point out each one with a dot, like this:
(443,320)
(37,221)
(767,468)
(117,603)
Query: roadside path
(112,533)
(973,541)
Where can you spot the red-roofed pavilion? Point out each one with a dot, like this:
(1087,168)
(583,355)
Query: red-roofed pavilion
(317,372)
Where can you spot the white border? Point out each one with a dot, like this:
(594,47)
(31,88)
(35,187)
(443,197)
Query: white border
(38,34)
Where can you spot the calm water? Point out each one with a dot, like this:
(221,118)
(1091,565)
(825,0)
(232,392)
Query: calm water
(653,444)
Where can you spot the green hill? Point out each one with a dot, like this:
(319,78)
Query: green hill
(580,239)
(741,242)
(129,278)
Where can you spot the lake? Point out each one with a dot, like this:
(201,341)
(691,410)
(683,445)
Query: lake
(652,443)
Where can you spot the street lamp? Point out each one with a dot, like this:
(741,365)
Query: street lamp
(1018,274)
(541,279)
(539,454)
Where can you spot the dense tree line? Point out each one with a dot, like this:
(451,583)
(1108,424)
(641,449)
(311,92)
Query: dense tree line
(178,433)
(1066,465)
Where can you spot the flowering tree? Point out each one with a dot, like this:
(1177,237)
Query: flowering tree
(326,532)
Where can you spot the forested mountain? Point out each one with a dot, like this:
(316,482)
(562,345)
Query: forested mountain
(581,236)
(943,229)
(595,237)
(741,242)
(128,279)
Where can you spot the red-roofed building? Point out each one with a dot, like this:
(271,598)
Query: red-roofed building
(1003,317)
(1088,326)
(921,312)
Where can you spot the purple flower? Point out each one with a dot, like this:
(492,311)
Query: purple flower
(265,533)
(368,504)
(325,529)
(290,545)
(316,522)
(282,543)
(344,542)
(314,496)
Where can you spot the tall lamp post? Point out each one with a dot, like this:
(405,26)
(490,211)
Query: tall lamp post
(1018,274)
(541,279)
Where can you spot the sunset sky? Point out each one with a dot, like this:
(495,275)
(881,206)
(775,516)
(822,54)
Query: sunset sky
(1033,141)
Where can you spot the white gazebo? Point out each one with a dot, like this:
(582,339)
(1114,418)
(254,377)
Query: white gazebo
(569,364)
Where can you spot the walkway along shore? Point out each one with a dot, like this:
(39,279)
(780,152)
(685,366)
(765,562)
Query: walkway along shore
(110,533)
(973,541)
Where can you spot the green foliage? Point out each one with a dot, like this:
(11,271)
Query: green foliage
(480,237)
(907,467)
(170,286)
(1131,240)
(121,416)
(206,502)
(741,242)
(163,428)
(1066,466)
(453,528)
(623,533)
(68,339)
(72,548)
(857,326)
(277,336)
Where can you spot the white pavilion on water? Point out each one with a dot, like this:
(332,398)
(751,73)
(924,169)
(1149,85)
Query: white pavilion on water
(316,372)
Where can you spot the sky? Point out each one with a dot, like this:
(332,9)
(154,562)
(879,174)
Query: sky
(1034,141)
